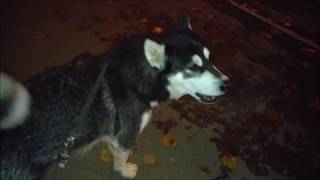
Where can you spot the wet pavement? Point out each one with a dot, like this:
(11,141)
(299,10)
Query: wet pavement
(264,128)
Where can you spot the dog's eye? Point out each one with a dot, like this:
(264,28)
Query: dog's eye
(195,67)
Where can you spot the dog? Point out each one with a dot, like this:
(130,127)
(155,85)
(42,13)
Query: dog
(141,72)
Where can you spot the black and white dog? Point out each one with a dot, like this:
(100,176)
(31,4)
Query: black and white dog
(142,71)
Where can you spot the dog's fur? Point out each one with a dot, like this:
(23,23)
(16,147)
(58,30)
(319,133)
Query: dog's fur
(141,72)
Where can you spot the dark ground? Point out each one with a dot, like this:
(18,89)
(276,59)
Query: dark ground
(265,128)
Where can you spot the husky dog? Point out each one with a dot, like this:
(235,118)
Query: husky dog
(142,71)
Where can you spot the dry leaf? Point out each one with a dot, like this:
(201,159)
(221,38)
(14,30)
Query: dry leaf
(204,168)
(157,29)
(197,9)
(287,24)
(229,161)
(109,36)
(149,159)
(108,2)
(275,31)
(271,114)
(105,155)
(38,35)
(210,16)
(144,20)
(309,51)
(169,140)
(127,25)
(266,35)
(244,5)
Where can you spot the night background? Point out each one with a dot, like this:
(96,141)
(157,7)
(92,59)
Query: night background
(266,127)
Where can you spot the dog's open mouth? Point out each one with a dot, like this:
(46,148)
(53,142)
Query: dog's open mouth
(205,98)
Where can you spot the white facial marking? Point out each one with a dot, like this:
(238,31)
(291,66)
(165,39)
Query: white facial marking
(196,59)
(176,87)
(146,116)
(205,83)
(206,52)
(154,53)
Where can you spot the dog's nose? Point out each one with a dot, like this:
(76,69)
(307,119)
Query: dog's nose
(225,86)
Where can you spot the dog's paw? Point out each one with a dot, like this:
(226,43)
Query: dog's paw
(129,170)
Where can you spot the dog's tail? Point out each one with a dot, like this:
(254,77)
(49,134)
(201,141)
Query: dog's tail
(14,102)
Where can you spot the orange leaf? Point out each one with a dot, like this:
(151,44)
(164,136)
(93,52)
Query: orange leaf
(169,140)
(105,155)
(229,161)
(271,114)
(157,29)
(38,36)
(127,25)
(149,159)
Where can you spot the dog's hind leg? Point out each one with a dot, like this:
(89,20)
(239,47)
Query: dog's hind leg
(120,158)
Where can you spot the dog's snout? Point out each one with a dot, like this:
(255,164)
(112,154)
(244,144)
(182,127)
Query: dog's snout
(225,85)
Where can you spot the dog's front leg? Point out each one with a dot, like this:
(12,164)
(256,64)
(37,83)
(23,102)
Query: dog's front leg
(120,158)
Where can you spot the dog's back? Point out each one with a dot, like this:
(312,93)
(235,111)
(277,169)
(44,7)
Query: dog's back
(27,148)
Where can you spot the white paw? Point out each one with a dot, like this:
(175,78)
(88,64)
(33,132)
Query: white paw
(129,170)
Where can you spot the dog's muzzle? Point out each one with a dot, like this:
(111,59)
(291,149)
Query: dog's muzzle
(225,86)
(210,99)
(206,99)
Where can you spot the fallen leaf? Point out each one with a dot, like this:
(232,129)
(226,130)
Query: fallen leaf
(111,36)
(169,140)
(244,5)
(266,35)
(287,24)
(197,8)
(144,20)
(85,25)
(275,31)
(210,16)
(157,29)
(105,155)
(127,25)
(204,168)
(149,159)
(270,113)
(309,51)
(38,35)
(166,126)
(108,2)
(229,161)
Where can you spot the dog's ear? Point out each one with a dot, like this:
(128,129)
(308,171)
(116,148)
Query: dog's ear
(185,26)
(154,53)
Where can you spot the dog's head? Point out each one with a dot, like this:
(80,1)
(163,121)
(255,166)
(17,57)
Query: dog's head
(186,65)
